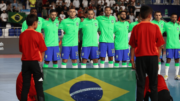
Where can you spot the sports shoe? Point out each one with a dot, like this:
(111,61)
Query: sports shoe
(177,77)
(165,77)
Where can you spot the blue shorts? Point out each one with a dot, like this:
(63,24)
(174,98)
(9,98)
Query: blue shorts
(122,55)
(90,51)
(52,54)
(106,47)
(69,51)
(173,53)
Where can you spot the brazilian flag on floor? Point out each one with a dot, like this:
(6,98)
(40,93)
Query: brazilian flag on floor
(91,84)
(15,17)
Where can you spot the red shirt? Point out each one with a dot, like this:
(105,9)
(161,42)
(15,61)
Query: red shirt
(32,90)
(145,38)
(161,85)
(31,44)
(179,19)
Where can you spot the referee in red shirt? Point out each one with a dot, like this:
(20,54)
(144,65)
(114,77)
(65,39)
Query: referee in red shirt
(146,38)
(32,46)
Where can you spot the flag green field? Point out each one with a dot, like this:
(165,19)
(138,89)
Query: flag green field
(15,17)
(90,84)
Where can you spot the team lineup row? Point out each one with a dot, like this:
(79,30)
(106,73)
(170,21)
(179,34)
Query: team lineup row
(107,27)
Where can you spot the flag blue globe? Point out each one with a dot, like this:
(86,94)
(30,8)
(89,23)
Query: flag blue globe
(86,91)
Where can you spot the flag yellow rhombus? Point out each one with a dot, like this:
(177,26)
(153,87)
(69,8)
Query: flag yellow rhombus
(17,17)
(62,91)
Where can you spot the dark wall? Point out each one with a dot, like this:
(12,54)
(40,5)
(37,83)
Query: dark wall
(171,9)
(10,46)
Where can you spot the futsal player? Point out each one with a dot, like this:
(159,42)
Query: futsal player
(160,23)
(148,44)
(32,95)
(121,40)
(89,40)
(131,26)
(70,39)
(163,91)
(50,28)
(32,47)
(106,38)
(40,21)
(172,45)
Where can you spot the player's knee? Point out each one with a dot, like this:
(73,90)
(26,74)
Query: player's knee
(74,61)
(103,58)
(65,60)
(55,62)
(95,60)
(46,62)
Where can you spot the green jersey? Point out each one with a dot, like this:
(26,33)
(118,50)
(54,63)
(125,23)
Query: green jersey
(39,27)
(173,31)
(71,28)
(131,26)
(160,24)
(89,30)
(51,32)
(106,27)
(121,35)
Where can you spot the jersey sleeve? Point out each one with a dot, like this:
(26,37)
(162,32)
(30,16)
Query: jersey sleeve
(81,25)
(41,44)
(159,38)
(132,41)
(115,28)
(44,24)
(164,28)
(61,25)
(24,26)
(130,27)
(97,24)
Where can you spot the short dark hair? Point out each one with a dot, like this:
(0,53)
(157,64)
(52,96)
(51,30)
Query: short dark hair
(71,8)
(90,10)
(107,7)
(174,14)
(157,12)
(145,11)
(32,9)
(30,19)
(52,10)
(122,12)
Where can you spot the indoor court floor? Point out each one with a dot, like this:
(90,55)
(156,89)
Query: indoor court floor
(10,66)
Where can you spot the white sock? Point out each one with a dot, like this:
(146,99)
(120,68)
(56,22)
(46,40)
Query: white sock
(110,65)
(95,65)
(177,70)
(63,65)
(101,64)
(159,71)
(75,65)
(166,70)
(83,65)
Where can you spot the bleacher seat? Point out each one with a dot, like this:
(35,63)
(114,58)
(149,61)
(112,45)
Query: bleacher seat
(17,32)
(11,32)
(8,26)
(1,32)
(59,32)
